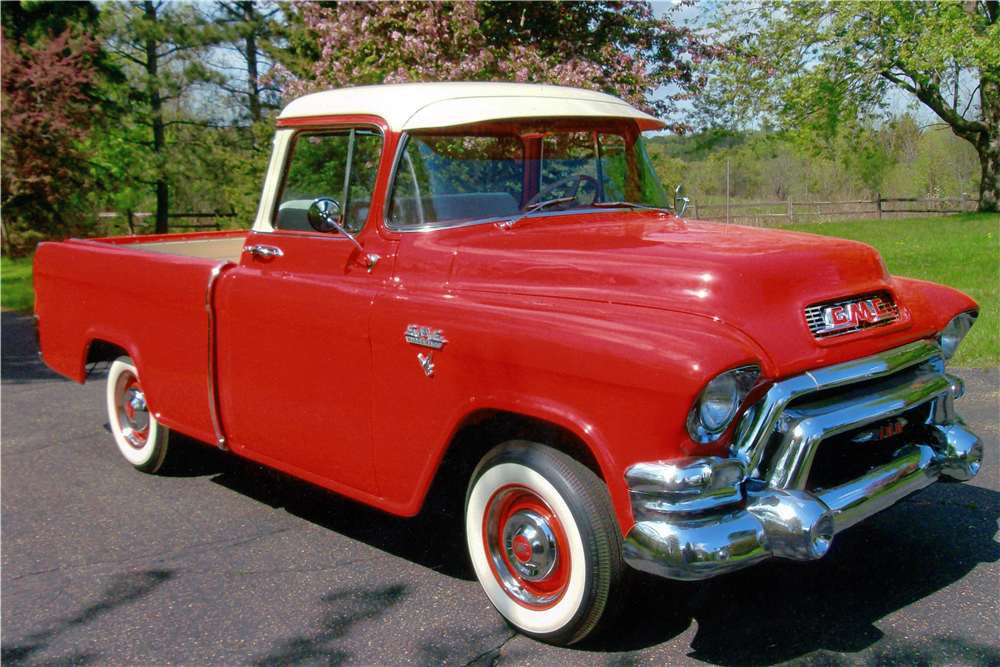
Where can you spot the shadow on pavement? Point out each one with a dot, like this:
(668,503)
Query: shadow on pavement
(342,610)
(20,362)
(123,589)
(402,537)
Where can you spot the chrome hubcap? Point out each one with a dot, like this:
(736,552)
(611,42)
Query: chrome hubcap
(133,416)
(523,539)
(530,544)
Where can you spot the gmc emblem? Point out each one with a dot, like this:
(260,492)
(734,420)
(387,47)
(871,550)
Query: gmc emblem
(851,315)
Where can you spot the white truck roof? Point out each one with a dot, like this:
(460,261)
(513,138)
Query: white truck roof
(415,106)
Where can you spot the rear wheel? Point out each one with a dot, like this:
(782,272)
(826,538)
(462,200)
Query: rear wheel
(140,438)
(544,541)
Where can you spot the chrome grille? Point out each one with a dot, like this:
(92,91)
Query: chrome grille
(844,316)
(778,438)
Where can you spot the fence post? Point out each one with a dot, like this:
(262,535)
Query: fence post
(878,204)
(962,208)
(791,214)
(696,216)
(128,219)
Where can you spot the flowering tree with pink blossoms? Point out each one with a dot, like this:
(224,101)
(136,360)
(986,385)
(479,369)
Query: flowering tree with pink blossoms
(619,48)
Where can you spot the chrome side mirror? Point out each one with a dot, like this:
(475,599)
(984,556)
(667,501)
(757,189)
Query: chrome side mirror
(325,216)
(680,200)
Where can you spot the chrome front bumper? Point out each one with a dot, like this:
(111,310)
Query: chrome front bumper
(701,517)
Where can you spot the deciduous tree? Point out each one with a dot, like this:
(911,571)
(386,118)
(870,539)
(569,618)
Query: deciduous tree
(48,105)
(817,66)
(616,47)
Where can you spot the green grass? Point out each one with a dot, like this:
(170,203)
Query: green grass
(16,291)
(961,251)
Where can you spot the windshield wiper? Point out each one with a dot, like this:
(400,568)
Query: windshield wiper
(628,204)
(534,208)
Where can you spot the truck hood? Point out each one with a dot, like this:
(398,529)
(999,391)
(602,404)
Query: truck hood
(758,281)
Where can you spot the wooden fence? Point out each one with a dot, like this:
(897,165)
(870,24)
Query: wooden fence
(762,214)
(139,222)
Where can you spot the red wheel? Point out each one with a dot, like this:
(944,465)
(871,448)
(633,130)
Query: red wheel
(543,541)
(140,438)
(527,546)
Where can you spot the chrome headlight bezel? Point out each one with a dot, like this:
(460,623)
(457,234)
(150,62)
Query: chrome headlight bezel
(719,403)
(954,332)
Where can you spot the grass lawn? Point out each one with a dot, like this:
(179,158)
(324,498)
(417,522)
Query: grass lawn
(16,291)
(961,251)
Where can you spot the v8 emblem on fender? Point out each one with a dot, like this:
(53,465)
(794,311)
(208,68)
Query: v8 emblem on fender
(427,363)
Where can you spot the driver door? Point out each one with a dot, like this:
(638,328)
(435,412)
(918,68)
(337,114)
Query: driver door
(294,354)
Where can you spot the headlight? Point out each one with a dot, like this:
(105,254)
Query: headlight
(953,334)
(719,402)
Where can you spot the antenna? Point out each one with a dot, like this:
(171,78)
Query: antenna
(727,195)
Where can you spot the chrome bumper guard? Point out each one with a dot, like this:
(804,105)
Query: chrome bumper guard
(701,517)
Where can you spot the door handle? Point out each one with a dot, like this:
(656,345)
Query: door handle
(263,251)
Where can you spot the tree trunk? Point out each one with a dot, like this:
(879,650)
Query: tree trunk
(988,146)
(253,88)
(159,132)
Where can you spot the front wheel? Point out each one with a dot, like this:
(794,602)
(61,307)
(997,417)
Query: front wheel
(140,438)
(544,541)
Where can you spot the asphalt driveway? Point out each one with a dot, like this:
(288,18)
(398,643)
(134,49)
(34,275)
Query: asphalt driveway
(224,562)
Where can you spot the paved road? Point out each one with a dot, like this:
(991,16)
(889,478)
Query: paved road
(227,563)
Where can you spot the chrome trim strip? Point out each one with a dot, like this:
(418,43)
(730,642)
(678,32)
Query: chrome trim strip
(213,394)
(878,365)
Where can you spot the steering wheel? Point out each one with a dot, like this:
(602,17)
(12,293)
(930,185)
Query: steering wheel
(572,185)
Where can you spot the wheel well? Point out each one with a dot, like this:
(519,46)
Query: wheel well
(484,430)
(100,354)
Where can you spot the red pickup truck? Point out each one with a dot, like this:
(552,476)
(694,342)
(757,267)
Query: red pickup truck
(492,273)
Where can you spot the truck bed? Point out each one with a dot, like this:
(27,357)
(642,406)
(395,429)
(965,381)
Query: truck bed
(145,296)
(220,246)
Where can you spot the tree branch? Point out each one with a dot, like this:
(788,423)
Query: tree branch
(928,92)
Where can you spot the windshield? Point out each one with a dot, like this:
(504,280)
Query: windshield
(505,169)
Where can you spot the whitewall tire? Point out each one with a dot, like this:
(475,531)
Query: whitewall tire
(544,541)
(140,438)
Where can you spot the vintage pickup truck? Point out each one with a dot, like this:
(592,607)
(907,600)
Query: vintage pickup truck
(491,275)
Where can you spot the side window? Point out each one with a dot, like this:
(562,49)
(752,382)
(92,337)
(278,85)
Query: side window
(340,165)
